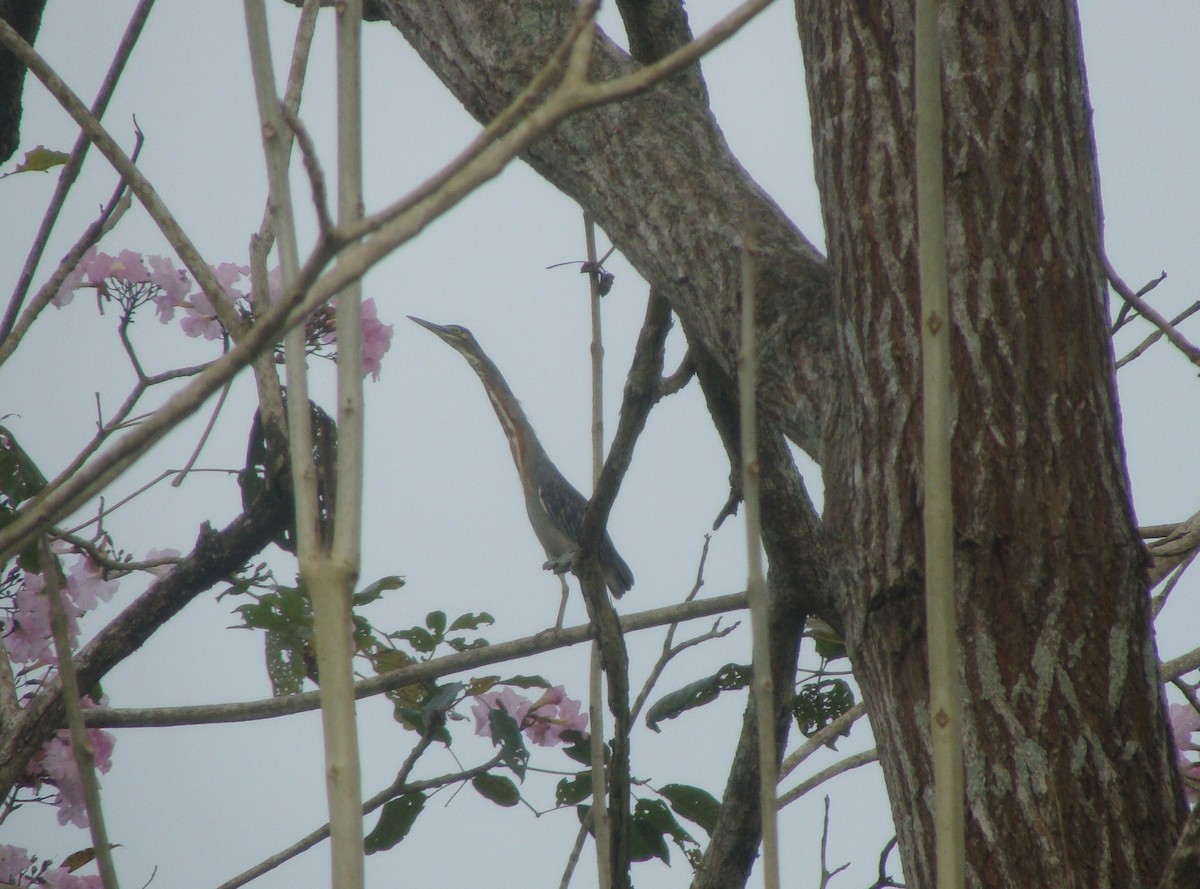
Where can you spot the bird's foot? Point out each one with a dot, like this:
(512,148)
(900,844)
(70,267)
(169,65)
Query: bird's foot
(562,564)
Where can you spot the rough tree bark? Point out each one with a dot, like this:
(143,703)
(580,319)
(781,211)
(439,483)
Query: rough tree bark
(1070,780)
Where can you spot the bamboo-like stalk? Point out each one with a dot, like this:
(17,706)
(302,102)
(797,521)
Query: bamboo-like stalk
(328,579)
(596,678)
(762,686)
(80,745)
(944,710)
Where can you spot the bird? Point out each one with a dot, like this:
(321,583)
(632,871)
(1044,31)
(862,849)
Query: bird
(554,506)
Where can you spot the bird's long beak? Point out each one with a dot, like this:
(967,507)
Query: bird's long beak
(428,325)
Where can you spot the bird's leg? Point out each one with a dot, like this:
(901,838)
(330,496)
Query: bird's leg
(562,608)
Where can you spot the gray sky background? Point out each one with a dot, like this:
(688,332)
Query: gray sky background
(443,504)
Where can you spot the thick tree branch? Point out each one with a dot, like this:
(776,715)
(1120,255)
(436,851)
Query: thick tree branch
(656,174)
(217,555)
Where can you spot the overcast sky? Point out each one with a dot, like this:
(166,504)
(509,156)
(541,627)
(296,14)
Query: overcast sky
(443,506)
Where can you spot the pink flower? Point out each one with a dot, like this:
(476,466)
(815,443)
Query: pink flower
(543,721)
(61,878)
(13,862)
(86,586)
(98,266)
(55,764)
(172,284)
(162,570)
(228,274)
(28,641)
(129,267)
(200,319)
(554,714)
(66,291)
(376,338)
(508,700)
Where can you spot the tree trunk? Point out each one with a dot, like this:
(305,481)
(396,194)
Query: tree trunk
(1069,781)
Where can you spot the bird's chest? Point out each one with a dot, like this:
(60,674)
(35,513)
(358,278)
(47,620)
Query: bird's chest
(554,541)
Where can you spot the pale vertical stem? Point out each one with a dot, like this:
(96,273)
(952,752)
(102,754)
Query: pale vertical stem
(81,747)
(589,229)
(945,715)
(327,581)
(331,601)
(348,525)
(596,689)
(304,474)
(763,686)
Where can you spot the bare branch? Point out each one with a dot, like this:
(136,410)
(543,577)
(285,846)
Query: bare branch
(547,640)
(1151,314)
(1149,341)
(853,761)
(70,171)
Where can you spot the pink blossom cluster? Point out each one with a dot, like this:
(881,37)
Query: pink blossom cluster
(18,868)
(55,764)
(1185,722)
(543,720)
(28,640)
(172,292)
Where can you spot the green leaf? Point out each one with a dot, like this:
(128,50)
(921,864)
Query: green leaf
(458,643)
(828,642)
(696,694)
(377,589)
(436,621)
(506,734)
(20,477)
(819,703)
(41,159)
(395,821)
(652,824)
(443,697)
(497,788)
(527,682)
(573,790)
(285,666)
(580,748)
(696,805)
(471,621)
(418,637)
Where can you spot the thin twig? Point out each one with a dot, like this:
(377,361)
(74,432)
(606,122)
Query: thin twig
(668,650)
(823,738)
(826,873)
(322,833)
(1160,601)
(110,214)
(312,166)
(1127,312)
(208,428)
(853,761)
(1149,341)
(1185,663)
(1151,314)
(70,170)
